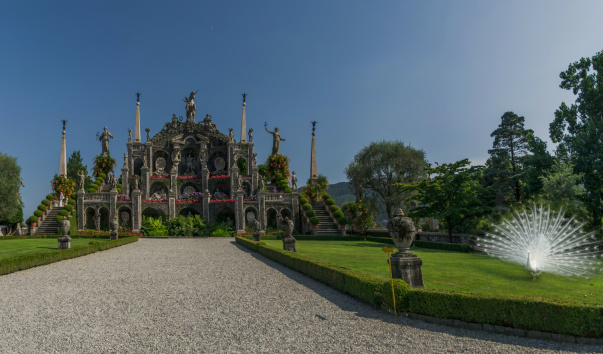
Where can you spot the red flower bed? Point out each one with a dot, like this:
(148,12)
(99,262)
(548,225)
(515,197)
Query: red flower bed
(106,233)
(159,177)
(154,201)
(222,201)
(219,177)
(188,201)
(190,177)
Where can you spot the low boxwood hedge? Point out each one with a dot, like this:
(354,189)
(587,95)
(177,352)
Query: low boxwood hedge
(310,213)
(13,264)
(307,206)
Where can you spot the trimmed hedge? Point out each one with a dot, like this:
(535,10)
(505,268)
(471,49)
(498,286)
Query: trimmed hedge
(310,213)
(338,214)
(380,239)
(314,220)
(303,201)
(307,206)
(328,238)
(64,213)
(50,197)
(46,202)
(333,208)
(68,207)
(326,196)
(518,312)
(42,207)
(342,220)
(14,264)
(329,202)
(38,213)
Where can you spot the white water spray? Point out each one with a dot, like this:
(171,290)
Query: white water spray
(543,241)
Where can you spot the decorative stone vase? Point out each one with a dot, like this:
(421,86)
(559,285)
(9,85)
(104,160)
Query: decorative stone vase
(114,226)
(402,230)
(405,265)
(65,240)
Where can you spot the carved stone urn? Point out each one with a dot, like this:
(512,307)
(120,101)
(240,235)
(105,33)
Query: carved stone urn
(402,230)
(65,240)
(405,265)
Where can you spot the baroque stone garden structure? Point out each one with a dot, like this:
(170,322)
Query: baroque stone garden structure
(187,168)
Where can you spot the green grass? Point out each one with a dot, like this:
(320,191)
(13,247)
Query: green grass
(15,248)
(456,271)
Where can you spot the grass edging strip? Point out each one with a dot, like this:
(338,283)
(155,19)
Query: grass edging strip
(14,264)
(510,311)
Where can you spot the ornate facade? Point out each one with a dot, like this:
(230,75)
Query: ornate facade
(188,168)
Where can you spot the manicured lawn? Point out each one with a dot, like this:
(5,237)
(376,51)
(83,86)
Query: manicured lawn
(13,248)
(455,271)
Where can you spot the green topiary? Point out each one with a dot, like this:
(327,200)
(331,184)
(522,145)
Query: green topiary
(303,201)
(50,197)
(338,214)
(102,176)
(46,202)
(118,190)
(64,212)
(314,220)
(91,190)
(59,218)
(278,176)
(68,207)
(42,207)
(333,208)
(73,196)
(287,190)
(326,196)
(38,213)
(342,220)
(72,201)
(329,202)
(307,206)
(310,213)
(32,219)
(119,186)
(465,247)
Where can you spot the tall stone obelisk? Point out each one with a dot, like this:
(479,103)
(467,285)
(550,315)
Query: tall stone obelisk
(63,164)
(243,123)
(313,169)
(137,126)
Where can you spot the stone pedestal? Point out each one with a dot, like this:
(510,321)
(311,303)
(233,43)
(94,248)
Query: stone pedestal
(289,243)
(256,236)
(407,266)
(64,242)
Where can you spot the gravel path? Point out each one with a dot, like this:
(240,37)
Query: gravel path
(210,295)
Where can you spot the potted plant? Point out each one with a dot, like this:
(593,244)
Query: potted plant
(314,221)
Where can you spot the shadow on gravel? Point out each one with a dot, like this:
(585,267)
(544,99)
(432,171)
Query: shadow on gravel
(365,310)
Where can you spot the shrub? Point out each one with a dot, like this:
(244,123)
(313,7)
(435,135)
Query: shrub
(465,247)
(32,219)
(278,176)
(46,202)
(314,220)
(333,208)
(50,196)
(310,213)
(102,176)
(153,227)
(326,196)
(119,186)
(342,220)
(71,202)
(68,207)
(38,213)
(401,291)
(287,190)
(64,212)
(91,190)
(73,197)
(42,207)
(186,226)
(315,187)
(221,233)
(303,200)
(329,202)
(59,218)
(338,214)
(307,206)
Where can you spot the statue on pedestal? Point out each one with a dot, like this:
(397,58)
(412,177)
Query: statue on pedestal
(250,135)
(293,181)
(190,106)
(129,134)
(276,138)
(104,138)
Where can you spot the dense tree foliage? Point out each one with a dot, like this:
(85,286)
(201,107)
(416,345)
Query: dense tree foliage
(562,188)
(453,194)
(381,165)
(578,128)
(11,206)
(315,188)
(535,166)
(510,146)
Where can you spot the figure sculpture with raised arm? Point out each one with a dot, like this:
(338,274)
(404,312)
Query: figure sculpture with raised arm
(104,139)
(190,106)
(276,138)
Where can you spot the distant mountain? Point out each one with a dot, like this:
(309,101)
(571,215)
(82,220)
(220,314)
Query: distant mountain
(341,192)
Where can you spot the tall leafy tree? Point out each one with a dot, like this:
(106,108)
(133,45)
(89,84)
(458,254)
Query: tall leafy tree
(11,206)
(511,142)
(578,128)
(536,165)
(74,166)
(381,165)
(562,188)
(453,194)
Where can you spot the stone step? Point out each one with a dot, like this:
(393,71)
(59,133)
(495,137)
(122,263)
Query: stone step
(49,225)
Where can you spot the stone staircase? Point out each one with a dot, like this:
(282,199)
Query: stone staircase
(327,226)
(50,225)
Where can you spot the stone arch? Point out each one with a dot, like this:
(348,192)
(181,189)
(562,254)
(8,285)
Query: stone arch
(158,190)
(189,211)
(189,152)
(225,214)
(89,224)
(188,185)
(137,166)
(124,216)
(154,213)
(246,188)
(104,217)
(253,210)
(213,164)
(168,162)
(286,212)
(220,186)
(271,219)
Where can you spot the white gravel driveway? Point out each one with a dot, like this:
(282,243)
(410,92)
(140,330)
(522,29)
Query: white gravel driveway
(210,295)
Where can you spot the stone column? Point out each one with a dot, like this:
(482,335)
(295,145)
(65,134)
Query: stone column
(295,210)
(254,179)
(239,212)
(206,198)
(313,169)
(171,206)
(130,157)
(234,178)
(112,203)
(137,125)
(407,266)
(136,210)
(243,126)
(262,211)
(174,185)
(149,152)
(63,164)
(125,184)
(80,210)
(144,171)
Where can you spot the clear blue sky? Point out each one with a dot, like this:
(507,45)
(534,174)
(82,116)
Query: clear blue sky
(435,74)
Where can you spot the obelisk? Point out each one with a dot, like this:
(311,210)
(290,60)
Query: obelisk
(313,169)
(63,164)
(243,123)
(137,126)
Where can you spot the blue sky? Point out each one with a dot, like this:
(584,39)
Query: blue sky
(435,74)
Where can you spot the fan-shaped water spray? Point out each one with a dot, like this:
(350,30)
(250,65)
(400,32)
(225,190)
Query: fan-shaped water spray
(543,241)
